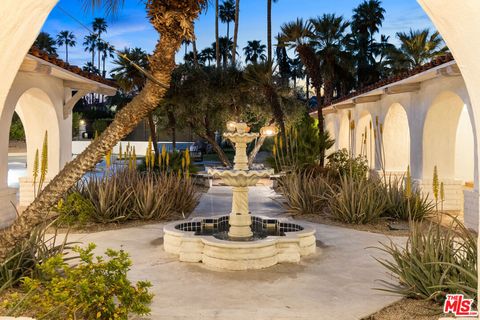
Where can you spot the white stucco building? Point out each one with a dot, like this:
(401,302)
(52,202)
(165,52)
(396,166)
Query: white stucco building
(421,120)
(43,93)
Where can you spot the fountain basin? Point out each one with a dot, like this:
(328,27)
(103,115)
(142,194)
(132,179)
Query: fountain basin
(198,240)
(240,178)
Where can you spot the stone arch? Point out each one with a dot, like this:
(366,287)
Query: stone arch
(38,115)
(441,125)
(365,138)
(396,139)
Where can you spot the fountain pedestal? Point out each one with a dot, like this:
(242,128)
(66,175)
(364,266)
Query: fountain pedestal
(240,220)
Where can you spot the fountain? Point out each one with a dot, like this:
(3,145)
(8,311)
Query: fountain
(239,241)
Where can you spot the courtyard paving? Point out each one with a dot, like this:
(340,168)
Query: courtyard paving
(335,283)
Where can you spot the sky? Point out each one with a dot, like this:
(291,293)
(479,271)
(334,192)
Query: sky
(131,28)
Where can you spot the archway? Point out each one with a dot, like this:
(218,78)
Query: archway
(396,139)
(448,144)
(364,138)
(440,135)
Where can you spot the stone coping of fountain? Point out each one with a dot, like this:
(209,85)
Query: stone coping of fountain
(239,255)
(240,173)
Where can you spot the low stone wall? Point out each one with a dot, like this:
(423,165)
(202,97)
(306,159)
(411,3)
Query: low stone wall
(453,193)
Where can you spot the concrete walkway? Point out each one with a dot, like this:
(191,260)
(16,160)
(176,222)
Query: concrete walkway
(336,283)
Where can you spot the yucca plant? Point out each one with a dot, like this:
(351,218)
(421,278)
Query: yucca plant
(110,196)
(356,200)
(304,192)
(433,263)
(151,200)
(405,201)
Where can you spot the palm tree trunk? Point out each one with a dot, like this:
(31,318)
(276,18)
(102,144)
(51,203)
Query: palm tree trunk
(307,91)
(235,31)
(153,134)
(162,62)
(217,43)
(321,130)
(172,124)
(269,30)
(66,53)
(228,31)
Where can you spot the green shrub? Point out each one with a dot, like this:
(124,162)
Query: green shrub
(356,200)
(92,289)
(406,204)
(75,209)
(433,263)
(304,191)
(341,162)
(38,248)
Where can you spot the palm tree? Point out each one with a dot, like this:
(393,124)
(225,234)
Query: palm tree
(217,36)
(90,43)
(419,46)
(235,32)
(269,29)
(224,46)
(330,40)
(260,75)
(66,38)
(366,21)
(186,43)
(227,14)
(107,50)
(99,26)
(46,43)
(297,35)
(207,55)
(254,50)
(89,67)
(174,20)
(296,70)
(132,80)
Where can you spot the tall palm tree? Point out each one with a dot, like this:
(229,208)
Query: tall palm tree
(186,43)
(269,29)
(296,70)
(107,51)
(207,55)
(224,46)
(235,32)
(99,26)
(90,43)
(419,46)
(298,35)
(330,40)
(254,50)
(172,19)
(46,43)
(366,22)
(217,36)
(227,14)
(66,38)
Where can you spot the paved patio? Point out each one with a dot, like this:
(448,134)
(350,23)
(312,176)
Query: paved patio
(336,283)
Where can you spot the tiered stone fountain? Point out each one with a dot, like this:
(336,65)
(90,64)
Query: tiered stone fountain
(239,241)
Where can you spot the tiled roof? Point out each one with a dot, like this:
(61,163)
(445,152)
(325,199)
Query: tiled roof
(434,63)
(34,51)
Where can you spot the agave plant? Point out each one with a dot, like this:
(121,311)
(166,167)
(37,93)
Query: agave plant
(356,200)
(304,191)
(433,263)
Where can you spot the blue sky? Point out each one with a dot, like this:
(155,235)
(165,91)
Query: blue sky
(130,28)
